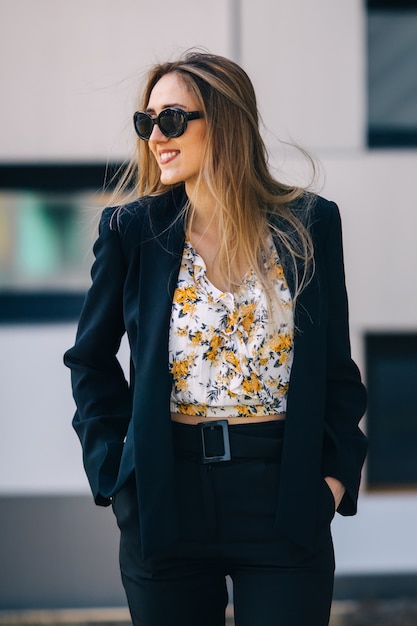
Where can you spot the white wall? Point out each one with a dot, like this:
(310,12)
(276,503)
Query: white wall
(379,210)
(381,538)
(307,62)
(69,72)
(39,450)
(70,69)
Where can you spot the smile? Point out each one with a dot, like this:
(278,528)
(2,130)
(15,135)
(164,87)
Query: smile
(165,157)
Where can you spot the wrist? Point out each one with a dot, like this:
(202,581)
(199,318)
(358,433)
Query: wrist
(337,488)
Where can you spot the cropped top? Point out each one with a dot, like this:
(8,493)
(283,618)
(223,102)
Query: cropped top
(226,356)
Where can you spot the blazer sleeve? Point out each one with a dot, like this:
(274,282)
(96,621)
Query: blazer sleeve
(100,390)
(345,445)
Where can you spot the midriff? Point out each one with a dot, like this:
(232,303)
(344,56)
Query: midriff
(193,420)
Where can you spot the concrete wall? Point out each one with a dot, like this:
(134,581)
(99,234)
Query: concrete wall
(70,73)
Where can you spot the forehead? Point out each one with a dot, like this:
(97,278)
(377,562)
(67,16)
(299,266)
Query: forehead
(171,90)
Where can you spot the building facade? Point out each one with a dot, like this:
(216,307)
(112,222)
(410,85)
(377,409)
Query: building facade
(71,73)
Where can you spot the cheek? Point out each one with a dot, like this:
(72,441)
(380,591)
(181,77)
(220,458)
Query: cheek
(152,149)
(198,140)
(198,152)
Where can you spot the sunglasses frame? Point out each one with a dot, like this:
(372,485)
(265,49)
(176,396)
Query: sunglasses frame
(185,115)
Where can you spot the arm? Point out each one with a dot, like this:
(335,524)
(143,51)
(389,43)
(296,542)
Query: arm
(100,390)
(344,446)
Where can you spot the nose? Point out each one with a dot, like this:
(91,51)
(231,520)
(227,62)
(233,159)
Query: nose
(157,135)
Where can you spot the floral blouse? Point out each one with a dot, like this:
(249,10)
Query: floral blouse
(225,356)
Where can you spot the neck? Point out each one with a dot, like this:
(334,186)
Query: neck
(204,210)
(204,231)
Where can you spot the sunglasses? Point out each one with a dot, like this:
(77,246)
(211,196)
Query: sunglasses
(171,122)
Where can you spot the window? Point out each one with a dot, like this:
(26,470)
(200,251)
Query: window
(392,73)
(392,410)
(48,215)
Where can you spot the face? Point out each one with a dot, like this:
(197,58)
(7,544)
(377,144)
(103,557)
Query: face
(180,159)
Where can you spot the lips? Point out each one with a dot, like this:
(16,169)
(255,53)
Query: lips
(165,157)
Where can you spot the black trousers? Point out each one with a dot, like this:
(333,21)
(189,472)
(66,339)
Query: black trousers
(227,510)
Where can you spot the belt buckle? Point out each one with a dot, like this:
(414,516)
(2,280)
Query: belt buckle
(224,425)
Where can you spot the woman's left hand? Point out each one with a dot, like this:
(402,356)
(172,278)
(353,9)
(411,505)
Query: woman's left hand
(337,489)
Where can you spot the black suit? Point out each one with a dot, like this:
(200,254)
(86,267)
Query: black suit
(138,257)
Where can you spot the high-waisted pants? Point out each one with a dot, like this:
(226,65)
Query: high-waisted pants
(227,511)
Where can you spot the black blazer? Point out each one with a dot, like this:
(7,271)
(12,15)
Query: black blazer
(125,427)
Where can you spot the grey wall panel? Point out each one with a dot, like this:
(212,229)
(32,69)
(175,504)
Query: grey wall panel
(58,552)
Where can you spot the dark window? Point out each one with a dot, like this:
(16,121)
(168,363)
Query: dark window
(392,73)
(392,410)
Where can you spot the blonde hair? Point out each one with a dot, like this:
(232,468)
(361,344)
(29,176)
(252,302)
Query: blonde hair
(249,200)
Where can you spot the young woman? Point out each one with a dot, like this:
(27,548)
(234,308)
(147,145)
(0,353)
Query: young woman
(236,438)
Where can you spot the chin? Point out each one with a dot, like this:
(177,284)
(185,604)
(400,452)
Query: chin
(169,179)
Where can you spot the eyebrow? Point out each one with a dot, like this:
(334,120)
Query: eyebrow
(175,105)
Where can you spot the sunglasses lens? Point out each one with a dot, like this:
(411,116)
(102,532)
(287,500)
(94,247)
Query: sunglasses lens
(143,125)
(172,122)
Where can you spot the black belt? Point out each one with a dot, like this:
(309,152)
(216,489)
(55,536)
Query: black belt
(217,441)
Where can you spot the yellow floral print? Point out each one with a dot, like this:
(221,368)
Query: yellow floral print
(247,313)
(231,357)
(187,294)
(215,343)
(251,384)
(196,337)
(188,308)
(187,409)
(223,356)
(242,410)
(276,271)
(181,384)
(232,319)
(283,389)
(280,342)
(181,368)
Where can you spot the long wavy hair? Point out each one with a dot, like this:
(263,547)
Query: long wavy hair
(249,200)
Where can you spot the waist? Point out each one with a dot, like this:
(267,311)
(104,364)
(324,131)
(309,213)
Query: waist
(218,440)
(194,420)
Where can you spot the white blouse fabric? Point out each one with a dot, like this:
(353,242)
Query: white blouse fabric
(226,357)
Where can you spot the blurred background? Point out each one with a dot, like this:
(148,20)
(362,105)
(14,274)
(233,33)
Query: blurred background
(339,79)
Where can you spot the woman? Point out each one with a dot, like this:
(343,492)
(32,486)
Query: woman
(237,437)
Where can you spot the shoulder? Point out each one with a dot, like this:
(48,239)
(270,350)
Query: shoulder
(325,222)
(320,215)
(312,208)
(323,210)
(150,212)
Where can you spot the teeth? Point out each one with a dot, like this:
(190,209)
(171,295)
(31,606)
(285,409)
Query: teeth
(165,156)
